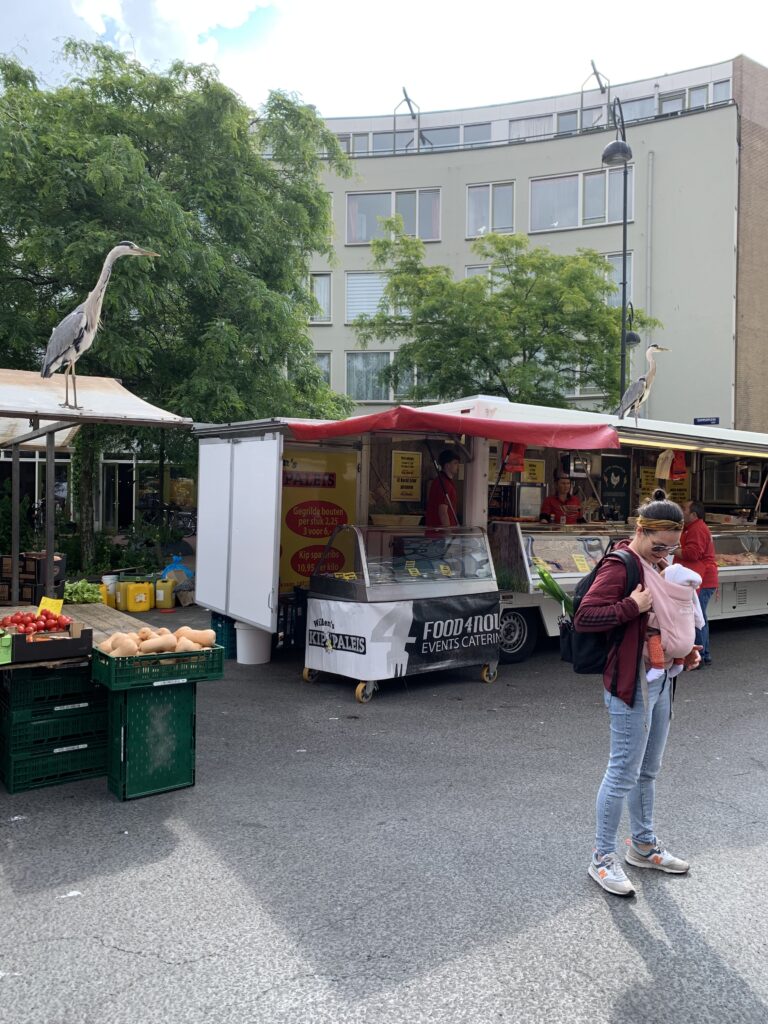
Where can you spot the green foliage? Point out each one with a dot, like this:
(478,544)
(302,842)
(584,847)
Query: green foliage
(216,329)
(537,326)
(81,592)
(26,534)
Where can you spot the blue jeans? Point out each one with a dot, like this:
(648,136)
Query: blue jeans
(633,765)
(702,635)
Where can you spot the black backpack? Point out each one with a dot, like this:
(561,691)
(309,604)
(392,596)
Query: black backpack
(588,652)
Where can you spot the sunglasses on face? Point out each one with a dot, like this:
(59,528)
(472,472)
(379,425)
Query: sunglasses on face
(658,549)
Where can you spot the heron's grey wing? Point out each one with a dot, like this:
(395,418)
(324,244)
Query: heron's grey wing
(64,342)
(633,394)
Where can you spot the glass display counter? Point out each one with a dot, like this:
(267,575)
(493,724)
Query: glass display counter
(388,601)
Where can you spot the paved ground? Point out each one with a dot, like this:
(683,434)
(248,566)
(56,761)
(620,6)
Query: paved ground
(422,858)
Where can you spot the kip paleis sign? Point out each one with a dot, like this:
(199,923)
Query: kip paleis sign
(396,638)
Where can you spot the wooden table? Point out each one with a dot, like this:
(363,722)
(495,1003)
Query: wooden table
(103,620)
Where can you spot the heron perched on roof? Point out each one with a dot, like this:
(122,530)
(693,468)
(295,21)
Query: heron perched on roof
(75,334)
(638,391)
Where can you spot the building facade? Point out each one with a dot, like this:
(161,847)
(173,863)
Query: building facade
(697,248)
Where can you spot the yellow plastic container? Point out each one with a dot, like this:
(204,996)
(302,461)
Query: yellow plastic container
(121,596)
(137,597)
(103,591)
(164,595)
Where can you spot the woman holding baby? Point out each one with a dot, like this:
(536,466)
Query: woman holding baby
(639,701)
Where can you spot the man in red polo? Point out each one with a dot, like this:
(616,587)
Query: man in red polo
(442,498)
(697,552)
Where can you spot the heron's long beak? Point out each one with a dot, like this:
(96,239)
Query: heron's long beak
(147,252)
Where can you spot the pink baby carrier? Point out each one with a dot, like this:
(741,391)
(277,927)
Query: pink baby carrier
(673,608)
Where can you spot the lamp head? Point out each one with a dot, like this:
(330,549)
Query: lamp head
(617,153)
(632,338)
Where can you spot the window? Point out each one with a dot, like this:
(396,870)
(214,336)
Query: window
(698,97)
(344,142)
(323,360)
(567,122)
(478,270)
(614,299)
(590,116)
(578,200)
(419,208)
(671,103)
(320,287)
(382,142)
(635,110)
(490,208)
(439,138)
(721,91)
(360,144)
(364,370)
(555,203)
(364,292)
(530,127)
(477,134)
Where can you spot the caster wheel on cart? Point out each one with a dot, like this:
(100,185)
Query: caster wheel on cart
(364,692)
(310,675)
(489,675)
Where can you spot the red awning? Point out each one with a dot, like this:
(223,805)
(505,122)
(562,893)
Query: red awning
(406,418)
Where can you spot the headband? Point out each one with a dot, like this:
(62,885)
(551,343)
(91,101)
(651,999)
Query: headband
(658,524)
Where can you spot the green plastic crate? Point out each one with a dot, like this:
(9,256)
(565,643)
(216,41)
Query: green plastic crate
(87,762)
(74,704)
(23,737)
(151,740)
(157,669)
(226,635)
(42,687)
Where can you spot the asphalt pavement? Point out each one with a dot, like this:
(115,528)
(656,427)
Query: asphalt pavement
(422,858)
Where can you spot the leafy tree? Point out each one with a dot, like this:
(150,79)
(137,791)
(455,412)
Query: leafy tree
(215,330)
(536,326)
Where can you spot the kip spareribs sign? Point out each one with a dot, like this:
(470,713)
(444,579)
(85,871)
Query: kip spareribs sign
(398,638)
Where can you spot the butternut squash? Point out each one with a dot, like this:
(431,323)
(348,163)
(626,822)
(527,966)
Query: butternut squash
(145,633)
(159,645)
(125,649)
(185,645)
(204,637)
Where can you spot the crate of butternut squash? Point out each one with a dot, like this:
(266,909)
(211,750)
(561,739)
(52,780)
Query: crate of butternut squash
(157,657)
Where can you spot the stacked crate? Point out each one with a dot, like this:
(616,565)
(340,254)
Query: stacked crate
(226,637)
(32,577)
(53,726)
(151,718)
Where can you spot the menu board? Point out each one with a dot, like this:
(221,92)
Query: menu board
(406,476)
(319,494)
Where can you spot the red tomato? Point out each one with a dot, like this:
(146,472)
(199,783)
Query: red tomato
(29,617)
(64,621)
(21,628)
(7,620)
(39,625)
(16,618)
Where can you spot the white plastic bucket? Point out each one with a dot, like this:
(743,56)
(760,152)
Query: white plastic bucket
(110,582)
(254,645)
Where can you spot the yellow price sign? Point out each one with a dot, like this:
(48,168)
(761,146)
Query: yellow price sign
(445,569)
(50,604)
(413,571)
(581,563)
(540,562)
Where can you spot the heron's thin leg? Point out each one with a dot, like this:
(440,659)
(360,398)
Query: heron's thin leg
(66,387)
(74,386)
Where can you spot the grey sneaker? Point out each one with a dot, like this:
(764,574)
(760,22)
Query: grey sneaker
(658,858)
(609,875)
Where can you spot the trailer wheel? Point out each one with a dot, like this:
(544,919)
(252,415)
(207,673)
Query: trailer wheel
(518,634)
(364,692)
(310,675)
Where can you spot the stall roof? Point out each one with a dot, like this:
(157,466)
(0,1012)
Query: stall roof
(10,429)
(471,420)
(25,395)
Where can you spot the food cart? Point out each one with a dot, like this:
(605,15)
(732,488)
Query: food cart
(406,601)
(272,493)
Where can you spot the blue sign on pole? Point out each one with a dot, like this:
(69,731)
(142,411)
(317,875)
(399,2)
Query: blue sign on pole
(706,421)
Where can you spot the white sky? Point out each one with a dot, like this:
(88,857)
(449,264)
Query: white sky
(353,56)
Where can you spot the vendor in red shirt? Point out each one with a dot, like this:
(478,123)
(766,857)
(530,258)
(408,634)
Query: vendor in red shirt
(562,505)
(442,497)
(697,552)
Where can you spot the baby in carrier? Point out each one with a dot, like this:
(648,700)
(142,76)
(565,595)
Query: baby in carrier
(674,590)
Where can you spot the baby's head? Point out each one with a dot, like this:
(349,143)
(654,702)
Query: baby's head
(679,574)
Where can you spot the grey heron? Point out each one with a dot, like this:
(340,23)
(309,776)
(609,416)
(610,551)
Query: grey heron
(638,391)
(75,334)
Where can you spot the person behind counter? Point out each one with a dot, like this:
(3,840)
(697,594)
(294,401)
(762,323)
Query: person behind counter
(697,552)
(442,497)
(561,507)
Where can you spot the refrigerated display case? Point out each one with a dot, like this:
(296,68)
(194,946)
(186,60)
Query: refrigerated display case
(742,567)
(390,602)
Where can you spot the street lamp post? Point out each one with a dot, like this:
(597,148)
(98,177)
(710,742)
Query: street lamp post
(616,154)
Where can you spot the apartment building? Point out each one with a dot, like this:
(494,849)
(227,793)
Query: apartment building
(697,245)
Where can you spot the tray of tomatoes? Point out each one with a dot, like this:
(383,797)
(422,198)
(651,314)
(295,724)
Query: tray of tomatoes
(45,636)
(31,622)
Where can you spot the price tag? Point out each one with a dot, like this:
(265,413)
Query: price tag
(413,571)
(445,569)
(540,562)
(51,604)
(581,563)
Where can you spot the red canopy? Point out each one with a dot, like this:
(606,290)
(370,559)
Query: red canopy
(406,418)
